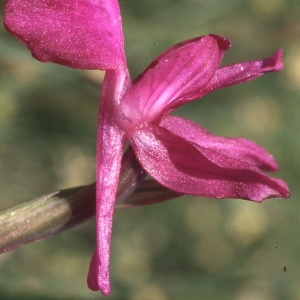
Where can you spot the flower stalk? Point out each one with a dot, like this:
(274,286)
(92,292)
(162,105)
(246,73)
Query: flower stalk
(45,216)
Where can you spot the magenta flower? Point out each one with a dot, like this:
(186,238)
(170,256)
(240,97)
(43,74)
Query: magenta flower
(178,153)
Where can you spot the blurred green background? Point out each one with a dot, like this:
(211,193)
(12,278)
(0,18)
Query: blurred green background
(188,248)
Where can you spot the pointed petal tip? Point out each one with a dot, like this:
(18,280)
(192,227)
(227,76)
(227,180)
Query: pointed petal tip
(95,280)
(104,288)
(273,63)
(223,42)
(103,285)
(269,165)
(281,191)
(285,192)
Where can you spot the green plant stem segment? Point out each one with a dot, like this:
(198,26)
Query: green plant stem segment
(45,216)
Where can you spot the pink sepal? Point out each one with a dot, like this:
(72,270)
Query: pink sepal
(238,148)
(188,168)
(84,34)
(242,72)
(171,75)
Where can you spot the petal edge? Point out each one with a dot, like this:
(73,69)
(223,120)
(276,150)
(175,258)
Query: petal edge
(82,34)
(178,165)
(238,148)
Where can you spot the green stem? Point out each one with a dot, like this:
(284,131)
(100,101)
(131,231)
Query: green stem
(45,216)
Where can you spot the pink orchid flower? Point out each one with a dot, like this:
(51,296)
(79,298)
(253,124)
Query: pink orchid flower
(181,155)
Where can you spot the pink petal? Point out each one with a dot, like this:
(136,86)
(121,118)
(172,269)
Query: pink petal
(84,34)
(108,163)
(92,279)
(171,74)
(239,73)
(108,167)
(178,165)
(238,148)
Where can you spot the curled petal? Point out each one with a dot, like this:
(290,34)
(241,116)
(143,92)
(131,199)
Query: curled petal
(171,74)
(238,148)
(184,168)
(231,75)
(240,73)
(84,34)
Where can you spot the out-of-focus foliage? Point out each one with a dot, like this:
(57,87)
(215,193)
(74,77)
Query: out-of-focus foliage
(188,248)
